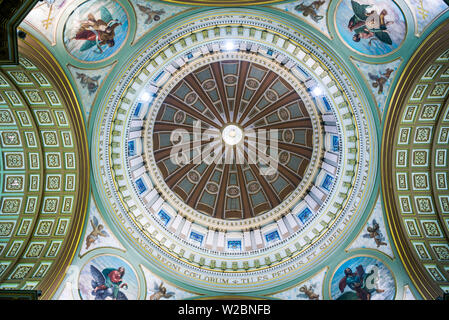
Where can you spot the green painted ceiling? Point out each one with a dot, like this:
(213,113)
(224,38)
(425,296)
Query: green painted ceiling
(106,79)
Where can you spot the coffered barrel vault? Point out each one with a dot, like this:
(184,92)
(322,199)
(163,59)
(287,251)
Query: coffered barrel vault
(44,173)
(415,180)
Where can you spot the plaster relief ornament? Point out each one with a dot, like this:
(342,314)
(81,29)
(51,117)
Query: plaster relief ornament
(363,278)
(108,278)
(371,27)
(95,30)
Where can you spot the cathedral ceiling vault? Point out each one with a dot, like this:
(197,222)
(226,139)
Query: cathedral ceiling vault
(129,130)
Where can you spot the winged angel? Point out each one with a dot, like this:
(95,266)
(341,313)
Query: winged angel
(97,230)
(375,233)
(97,32)
(160,291)
(369,25)
(108,283)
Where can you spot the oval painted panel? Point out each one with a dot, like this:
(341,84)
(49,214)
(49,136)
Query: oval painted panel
(370,27)
(96,30)
(108,277)
(363,278)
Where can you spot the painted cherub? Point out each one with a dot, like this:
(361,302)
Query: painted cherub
(97,231)
(375,233)
(90,82)
(152,15)
(379,81)
(309,292)
(160,291)
(311,10)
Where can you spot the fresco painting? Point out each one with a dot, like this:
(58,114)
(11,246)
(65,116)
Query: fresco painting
(374,233)
(108,277)
(363,278)
(311,289)
(151,14)
(96,30)
(314,12)
(89,82)
(97,233)
(45,16)
(158,289)
(426,11)
(379,78)
(370,27)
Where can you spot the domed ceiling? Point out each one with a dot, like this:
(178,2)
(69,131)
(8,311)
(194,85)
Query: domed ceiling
(250,149)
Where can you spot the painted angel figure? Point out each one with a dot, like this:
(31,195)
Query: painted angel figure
(90,82)
(379,81)
(309,292)
(362,284)
(375,233)
(369,25)
(152,15)
(97,32)
(108,283)
(97,231)
(160,291)
(311,10)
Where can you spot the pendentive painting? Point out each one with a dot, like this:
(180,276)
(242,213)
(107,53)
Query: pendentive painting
(363,278)
(96,30)
(108,278)
(371,27)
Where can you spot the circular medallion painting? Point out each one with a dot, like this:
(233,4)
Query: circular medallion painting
(370,27)
(95,30)
(108,278)
(363,278)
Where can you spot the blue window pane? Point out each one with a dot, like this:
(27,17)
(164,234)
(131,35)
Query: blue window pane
(326,104)
(327,183)
(196,237)
(141,185)
(272,236)
(138,108)
(164,217)
(235,244)
(131,148)
(158,76)
(335,143)
(305,215)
